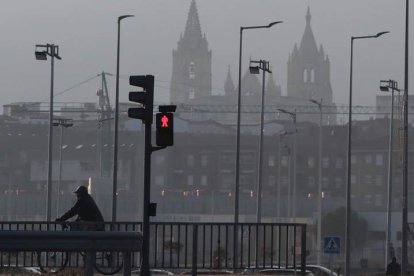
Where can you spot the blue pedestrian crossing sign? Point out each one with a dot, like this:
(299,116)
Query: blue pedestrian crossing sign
(332,245)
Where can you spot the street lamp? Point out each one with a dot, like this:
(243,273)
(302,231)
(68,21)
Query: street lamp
(41,53)
(236,192)
(385,86)
(348,186)
(237,169)
(319,229)
(293,116)
(264,66)
(115,165)
(404,229)
(63,123)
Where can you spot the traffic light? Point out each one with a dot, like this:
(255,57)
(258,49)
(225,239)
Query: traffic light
(164,129)
(145,98)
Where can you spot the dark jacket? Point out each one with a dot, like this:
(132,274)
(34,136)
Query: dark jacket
(86,210)
(393,268)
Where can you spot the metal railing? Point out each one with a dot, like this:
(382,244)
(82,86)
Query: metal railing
(192,246)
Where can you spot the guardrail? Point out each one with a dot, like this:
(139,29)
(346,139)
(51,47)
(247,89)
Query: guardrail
(192,246)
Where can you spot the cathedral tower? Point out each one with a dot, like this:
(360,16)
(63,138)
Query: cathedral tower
(191,72)
(309,70)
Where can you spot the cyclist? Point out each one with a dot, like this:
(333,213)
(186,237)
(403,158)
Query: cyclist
(86,210)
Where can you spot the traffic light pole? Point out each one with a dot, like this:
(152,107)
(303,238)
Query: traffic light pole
(147,195)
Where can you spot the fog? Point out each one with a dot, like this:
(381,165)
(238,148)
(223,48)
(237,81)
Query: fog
(86,32)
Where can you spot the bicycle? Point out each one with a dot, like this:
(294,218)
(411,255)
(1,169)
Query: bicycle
(106,262)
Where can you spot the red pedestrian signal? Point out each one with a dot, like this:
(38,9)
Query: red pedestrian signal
(164,129)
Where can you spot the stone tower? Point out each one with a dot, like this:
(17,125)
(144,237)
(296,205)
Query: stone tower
(309,71)
(191,72)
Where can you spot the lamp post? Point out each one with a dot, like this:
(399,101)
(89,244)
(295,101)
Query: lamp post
(237,169)
(41,53)
(385,86)
(293,116)
(63,123)
(404,229)
(115,162)
(348,186)
(264,66)
(319,229)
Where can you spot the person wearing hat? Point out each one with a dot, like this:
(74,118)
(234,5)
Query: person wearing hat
(86,210)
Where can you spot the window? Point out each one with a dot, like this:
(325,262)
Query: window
(305,75)
(325,182)
(339,163)
(378,200)
(191,93)
(284,181)
(190,180)
(379,160)
(379,180)
(191,71)
(204,180)
(271,181)
(325,162)
(285,161)
(353,179)
(272,161)
(311,162)
(338,182)
(368,179)
(368,159)
(312,75)
(190,160)
(353,159)
(311,182)
(204,160)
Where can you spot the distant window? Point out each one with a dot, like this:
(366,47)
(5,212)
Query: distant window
(353,159)
(312,75)
(311,182)
(305,75)
(311,162)
(339,163)
(272,161)
(325,182)
(379,180)
(338,182)
(379,160)
(368,179)
(368,159)
(285,161)
(204,179)
(378,200)
(325,162)
(191,93)
(204,160)
(191,71)
(284,181)
(190,160)
(271,181)
(353,179)
(190,180)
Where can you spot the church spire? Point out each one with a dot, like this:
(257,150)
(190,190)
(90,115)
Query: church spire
(229,87)
(308,42)
(192,27)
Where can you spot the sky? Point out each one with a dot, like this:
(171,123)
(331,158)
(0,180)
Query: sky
(86,32)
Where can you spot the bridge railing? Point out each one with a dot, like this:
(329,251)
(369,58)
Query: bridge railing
(184,246)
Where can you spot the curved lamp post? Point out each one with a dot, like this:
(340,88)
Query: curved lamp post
(348,186)
(115,162)
(41,53)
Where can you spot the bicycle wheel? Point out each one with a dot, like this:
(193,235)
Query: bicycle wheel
(108,262)
(52,262)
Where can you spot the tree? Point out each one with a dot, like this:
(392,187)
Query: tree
(334,224)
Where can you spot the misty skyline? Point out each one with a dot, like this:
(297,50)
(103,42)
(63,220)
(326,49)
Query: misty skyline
(87,35)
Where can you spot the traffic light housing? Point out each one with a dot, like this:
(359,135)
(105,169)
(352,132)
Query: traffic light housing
(164,129)
(145,98)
